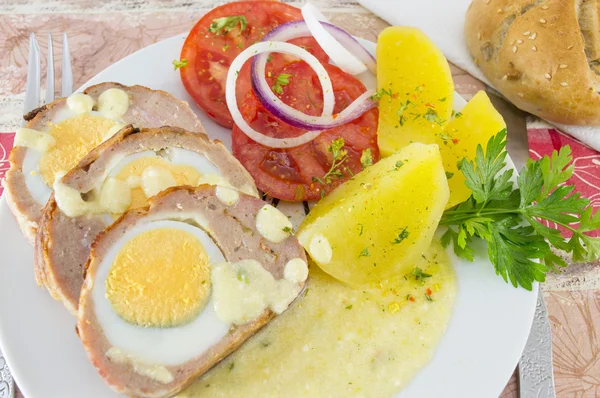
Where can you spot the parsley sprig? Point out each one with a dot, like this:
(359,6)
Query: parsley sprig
(510,218)
(282,80)
(339,157)
(227,24)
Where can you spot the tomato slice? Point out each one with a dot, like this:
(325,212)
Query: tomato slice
(209,54)
(298,174)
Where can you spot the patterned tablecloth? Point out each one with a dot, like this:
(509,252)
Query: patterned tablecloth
(102,32)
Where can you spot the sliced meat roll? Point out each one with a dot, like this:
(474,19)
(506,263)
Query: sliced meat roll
(60,133)
(172,289)
(120,174)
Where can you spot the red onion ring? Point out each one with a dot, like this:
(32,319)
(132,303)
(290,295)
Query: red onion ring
(291,116)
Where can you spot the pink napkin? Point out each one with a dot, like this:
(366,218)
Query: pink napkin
(586,177)
(6,144)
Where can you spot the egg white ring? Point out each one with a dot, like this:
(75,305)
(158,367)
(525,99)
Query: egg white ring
(177,156)
(164,346)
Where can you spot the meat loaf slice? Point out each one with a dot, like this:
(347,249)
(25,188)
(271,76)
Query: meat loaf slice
(148,108)
(234,230)
(63,243)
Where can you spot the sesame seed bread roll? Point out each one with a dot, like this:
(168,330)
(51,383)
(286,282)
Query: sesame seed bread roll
(544,56)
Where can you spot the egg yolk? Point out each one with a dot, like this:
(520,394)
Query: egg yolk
(160,278)
(183,175)
(75,137)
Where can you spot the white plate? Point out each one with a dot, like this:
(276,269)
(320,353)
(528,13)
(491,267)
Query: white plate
(476,357)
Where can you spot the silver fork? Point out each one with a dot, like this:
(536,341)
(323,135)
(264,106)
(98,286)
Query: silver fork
(32,101)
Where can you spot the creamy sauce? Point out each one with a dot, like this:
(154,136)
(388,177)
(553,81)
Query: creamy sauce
(320,249)
(34,139)
(156,179)
(242,291)
(114,197)
(113,103)
(272,224)
(227,196)
(156,372)
(338,342)
(80,103)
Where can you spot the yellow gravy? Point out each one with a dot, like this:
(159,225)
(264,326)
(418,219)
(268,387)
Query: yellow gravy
(338,342)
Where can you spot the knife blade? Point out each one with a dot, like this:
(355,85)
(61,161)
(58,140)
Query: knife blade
(536,376)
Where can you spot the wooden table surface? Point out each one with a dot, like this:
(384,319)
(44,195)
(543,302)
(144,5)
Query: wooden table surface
(102,32)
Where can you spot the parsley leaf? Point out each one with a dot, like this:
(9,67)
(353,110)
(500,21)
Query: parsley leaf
(179,63)
(511,218)
(282,80)
(288,230)
(227,24)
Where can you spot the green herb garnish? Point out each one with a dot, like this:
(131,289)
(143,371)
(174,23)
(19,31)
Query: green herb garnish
(339,157)
(288,230)
(227,24)
(364,253)
(349,307)
(366,158)
(381,93)
(449,175)
(401,236)
(282,80)
(510,219)
(420,275)
(179,63)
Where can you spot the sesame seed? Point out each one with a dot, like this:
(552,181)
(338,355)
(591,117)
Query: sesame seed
(548,76)
(533,36)
(533,48)
(564,84)
(514,49)
(542,21)
(544,7)
(521,95)
(519,41)
(563,66)
(478,35)
(526,33)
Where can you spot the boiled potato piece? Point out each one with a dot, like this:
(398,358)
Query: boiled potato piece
(415,88)
(474,125)
(377,224)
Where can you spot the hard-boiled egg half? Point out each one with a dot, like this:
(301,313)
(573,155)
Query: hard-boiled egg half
(172,289)
(58,135)
(122,174)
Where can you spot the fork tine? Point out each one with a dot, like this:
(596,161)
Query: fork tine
(32,92)
(50,72)
(67,73)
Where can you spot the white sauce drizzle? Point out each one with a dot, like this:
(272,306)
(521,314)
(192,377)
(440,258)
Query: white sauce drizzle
(80,103)
(242,291)
(227,196)
(34,139)
(272,224)
(320,249)
(113,103)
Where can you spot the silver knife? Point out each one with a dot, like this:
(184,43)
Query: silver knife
(536,376)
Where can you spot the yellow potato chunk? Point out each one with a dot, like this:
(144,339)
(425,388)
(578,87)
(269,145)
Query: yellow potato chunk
(415,88)
(377,224)
(474,125)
